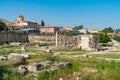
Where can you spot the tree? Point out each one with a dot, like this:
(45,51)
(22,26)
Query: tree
(117,38)
(42,23)
(104,38)
(69,34)
(106,30)
(79,27)
(3,26)
(117,30)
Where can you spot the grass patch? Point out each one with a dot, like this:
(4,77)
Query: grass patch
(110,70)
(8,72)
(72,51)
(106,70)
(6,49)
(113,56)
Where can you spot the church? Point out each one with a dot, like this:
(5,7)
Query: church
(23,25)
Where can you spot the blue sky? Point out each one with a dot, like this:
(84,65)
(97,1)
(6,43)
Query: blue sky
(93,14)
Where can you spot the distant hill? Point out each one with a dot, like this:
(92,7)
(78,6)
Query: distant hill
(5,21)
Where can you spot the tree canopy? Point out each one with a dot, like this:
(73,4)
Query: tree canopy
(117,30)
(3,26)
(42,23)
(79,27)
(104,38)
(106,30)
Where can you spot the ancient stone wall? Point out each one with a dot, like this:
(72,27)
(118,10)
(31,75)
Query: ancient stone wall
(62,40)
(8,37)
(83,41)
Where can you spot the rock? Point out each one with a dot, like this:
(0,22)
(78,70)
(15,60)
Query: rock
(22,69)
(0,47)
(12,54)
(37,45)
(90,56)
(60,78)
(89,71)
(86,55)
(64,64)
(69,76)
(3,58)
(61,64)
(77,78)
(48,50)
(15,43)
(76,73)
(25,55)
(56,54)
(46,66)
(46,63)
(39,66)
(17,60)
(35,67)
(23,48)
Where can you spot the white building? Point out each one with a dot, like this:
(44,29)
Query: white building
(84,31)
(23,25)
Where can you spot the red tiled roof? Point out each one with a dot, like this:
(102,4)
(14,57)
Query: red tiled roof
(21,16)
(49,27)
(110,33)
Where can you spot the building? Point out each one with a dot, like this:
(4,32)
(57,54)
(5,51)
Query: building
(49,30)
(89,42)
(93,31)
(75,31)
(24,25)
(68,29)
(72,30)
(84,31)
(110,34)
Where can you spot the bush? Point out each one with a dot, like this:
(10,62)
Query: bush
(117,38)
(43,76)
(9,73)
